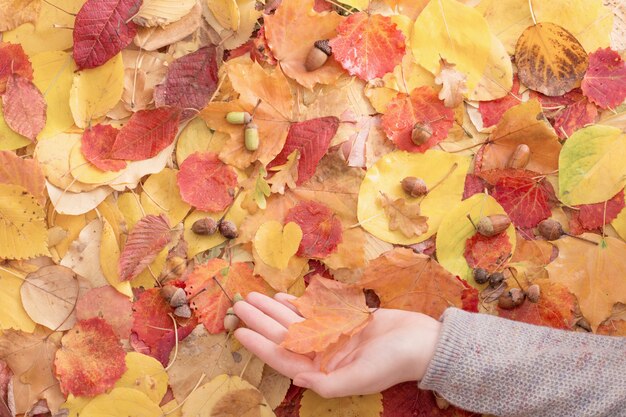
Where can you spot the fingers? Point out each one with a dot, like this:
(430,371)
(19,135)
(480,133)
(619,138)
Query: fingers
(258,321)
(353,379)
(274,309)
(284,299)
(282,360)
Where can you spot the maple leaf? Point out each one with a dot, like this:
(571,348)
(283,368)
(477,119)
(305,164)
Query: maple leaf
(407,280)
(90,359)
(190,82)
(24,107)
(149,236)
(154,327)
(322,230)
(146,134)
(421,108)
(311,139)
(404,216)
(368,46)
(453,85)
(207,298)
(604,82)
(96,145)
(569,112)
(489,253)
(110,305)
(333,312)
(286,175)
(526,199)
(206,183)
(98,20)
(13,61)
(593,216)
(592,272)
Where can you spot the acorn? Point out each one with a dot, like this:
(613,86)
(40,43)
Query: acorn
(238,117)
(520,157)
(481,276)
(495,279)
(511,299)
(415,187)
(167,291)
(251,137)
(205,226)
(533,293)
(178,298)
(492,225)
(318,55)
(421,133)
(183,311)
(550,229)
(228,229)
(231,321)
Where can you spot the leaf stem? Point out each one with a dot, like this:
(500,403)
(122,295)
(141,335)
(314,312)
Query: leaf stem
(532,12)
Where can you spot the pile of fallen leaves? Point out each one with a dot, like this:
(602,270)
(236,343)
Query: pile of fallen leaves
(160,159)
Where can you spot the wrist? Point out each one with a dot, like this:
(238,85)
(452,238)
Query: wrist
(429,332)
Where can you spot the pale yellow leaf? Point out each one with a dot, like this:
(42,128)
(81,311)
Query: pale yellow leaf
(87,173)
(125,402)
(12,313)
(144,374)
(226,12)
(109,258)
(162,12)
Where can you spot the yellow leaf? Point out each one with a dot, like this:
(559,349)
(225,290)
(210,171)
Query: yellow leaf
(12,313)
(385,176)
(161,195)
(22,222)
(109,257)
(86,172)
(108,210)
(248,19)
(130,206)
(145,374)
(457,33)
(276,244)
(122,402)
(208,400)
(357,4)
(149,276)
(226,12)
(162,12)
(455,229)
(312,405)
(74,405)
(280,280)
(10,140)
(197,137)
(53,74)
(497,80)
(591,169)
(51,31)
(549,59)
(96,91)
(507,19)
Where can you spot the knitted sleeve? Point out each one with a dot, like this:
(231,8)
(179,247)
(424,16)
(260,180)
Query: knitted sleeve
(487,364)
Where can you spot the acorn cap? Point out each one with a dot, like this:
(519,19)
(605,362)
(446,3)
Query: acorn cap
(324,46)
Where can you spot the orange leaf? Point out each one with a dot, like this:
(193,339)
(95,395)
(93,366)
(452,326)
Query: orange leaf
(487,252)
(404,216)
(96,146)
(333,312)
(24,172)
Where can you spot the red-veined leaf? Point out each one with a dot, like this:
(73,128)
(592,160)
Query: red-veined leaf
(311,139)
(473,185)
(102,29)
(146,134)
(206,183)
(569,112)
(24,107)
(13,61)
(97,143)
(149,236)
(591,217)
(368,46)
(321,229)
(492,111)
(489,253)
(604,82)
(190,82)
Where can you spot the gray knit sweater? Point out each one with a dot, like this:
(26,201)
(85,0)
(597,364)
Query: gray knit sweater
(487,364)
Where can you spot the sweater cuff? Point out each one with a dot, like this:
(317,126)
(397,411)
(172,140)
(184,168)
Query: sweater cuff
(450,347)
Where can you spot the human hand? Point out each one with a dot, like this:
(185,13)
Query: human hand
(395,346)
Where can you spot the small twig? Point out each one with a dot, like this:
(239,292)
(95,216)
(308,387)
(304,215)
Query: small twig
(223,290)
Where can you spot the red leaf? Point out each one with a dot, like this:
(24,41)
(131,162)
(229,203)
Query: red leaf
(568,112)
(13,61)
(96,146)
(492,111)
(153,325)
(489,253)
(146,134)
(290,406)
(473,185)
(604,82)
(526,200)
(102,29)
(108,304)
(190,82)
(591,217)
(91,359)
(368,46)
(149,236)
(321,229)
(422,107)
(470,297)
(206,183)
(406,400)
(24,107)
(207,297)
(311,138)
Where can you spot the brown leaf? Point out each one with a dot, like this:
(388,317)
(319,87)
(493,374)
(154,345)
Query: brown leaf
(15,12)
(404,216)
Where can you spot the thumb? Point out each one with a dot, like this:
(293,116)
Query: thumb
(352,379)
